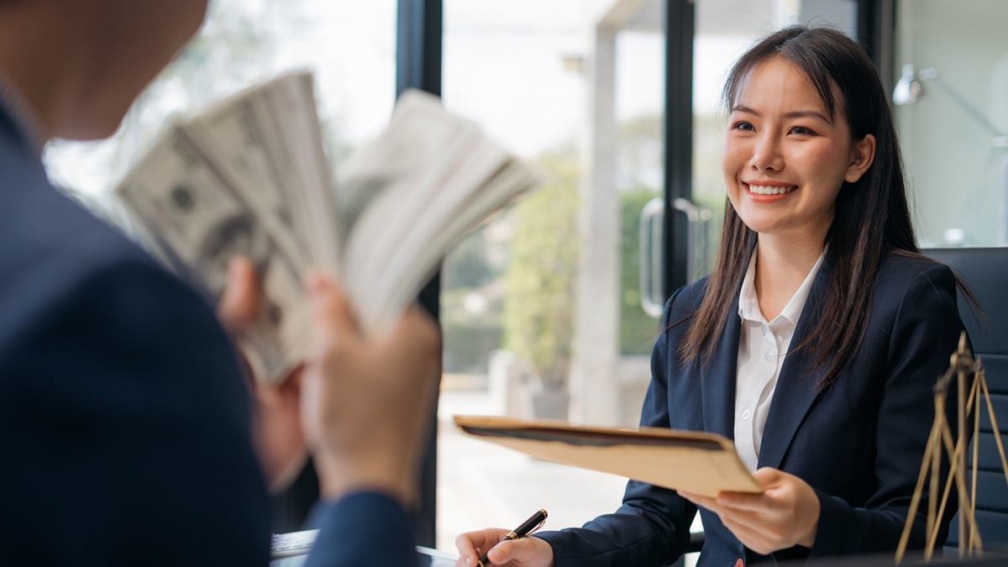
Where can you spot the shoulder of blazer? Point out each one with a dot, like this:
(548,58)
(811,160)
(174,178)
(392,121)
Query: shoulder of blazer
(686,300)
(899,271)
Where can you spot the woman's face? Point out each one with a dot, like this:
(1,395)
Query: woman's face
(785,159)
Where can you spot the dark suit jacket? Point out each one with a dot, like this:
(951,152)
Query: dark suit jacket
(367,528)
(124,420)
(859,443)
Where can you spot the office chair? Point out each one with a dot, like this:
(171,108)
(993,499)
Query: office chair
(985,271)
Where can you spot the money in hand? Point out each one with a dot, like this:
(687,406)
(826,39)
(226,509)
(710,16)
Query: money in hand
(248,176)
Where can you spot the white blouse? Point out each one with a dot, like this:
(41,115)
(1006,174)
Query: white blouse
(762,348)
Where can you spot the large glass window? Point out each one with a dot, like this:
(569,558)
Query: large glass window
(951,85)
(541,309)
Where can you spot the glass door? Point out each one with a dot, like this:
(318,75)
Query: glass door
(541,309)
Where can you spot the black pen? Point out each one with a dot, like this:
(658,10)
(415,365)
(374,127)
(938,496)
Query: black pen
(527,527)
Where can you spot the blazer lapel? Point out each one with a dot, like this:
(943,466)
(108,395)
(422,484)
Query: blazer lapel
(718,385)
(796,386)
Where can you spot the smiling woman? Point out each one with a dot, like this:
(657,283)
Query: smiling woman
(783,148)
(814,343)
(831,134)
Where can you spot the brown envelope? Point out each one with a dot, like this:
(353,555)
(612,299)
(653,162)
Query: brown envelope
(702,463)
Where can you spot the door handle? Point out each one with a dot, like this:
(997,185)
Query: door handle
(652,297)
(651,225)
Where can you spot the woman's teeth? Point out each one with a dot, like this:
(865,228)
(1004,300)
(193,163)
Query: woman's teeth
(762,190)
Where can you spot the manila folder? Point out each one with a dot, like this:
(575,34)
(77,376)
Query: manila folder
(691,461)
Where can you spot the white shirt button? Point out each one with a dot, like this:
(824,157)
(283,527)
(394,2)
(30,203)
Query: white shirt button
(769,356)
(746,414)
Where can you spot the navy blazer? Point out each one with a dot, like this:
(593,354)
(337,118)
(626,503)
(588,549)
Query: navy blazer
(858,443)
(124,420)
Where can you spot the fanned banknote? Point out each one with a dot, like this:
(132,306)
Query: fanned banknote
(248,176)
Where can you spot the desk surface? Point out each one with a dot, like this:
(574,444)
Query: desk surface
(944,557)
(426,557)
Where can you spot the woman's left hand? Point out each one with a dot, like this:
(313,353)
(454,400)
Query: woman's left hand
(785,515)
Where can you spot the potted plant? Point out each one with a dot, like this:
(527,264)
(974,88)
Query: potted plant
(539,284)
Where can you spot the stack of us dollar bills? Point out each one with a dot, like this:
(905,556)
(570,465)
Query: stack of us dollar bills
(249,176)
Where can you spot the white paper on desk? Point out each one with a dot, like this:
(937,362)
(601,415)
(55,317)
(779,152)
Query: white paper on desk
(692,461)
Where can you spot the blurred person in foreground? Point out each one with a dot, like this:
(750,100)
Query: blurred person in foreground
(125,423)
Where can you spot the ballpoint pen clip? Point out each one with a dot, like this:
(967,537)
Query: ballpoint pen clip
(537,526)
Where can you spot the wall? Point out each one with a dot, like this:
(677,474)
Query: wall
(956,170)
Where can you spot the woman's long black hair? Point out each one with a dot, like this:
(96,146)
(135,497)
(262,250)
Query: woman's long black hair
(872,217)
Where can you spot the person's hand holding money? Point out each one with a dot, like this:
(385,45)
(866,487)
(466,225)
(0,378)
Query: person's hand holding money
(368,401)
(277,430)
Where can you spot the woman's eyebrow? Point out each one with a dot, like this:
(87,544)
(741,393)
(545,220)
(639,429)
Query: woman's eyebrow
(794,114)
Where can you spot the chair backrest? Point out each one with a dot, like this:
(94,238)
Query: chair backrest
(985,271)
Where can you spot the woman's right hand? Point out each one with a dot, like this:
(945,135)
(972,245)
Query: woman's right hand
(522,552)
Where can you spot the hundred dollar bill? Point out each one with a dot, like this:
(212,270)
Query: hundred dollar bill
(250,177)
(402,185)
(234,136)
(190,202)
(420,136)
(417,262)
(268,138)
(298,139)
